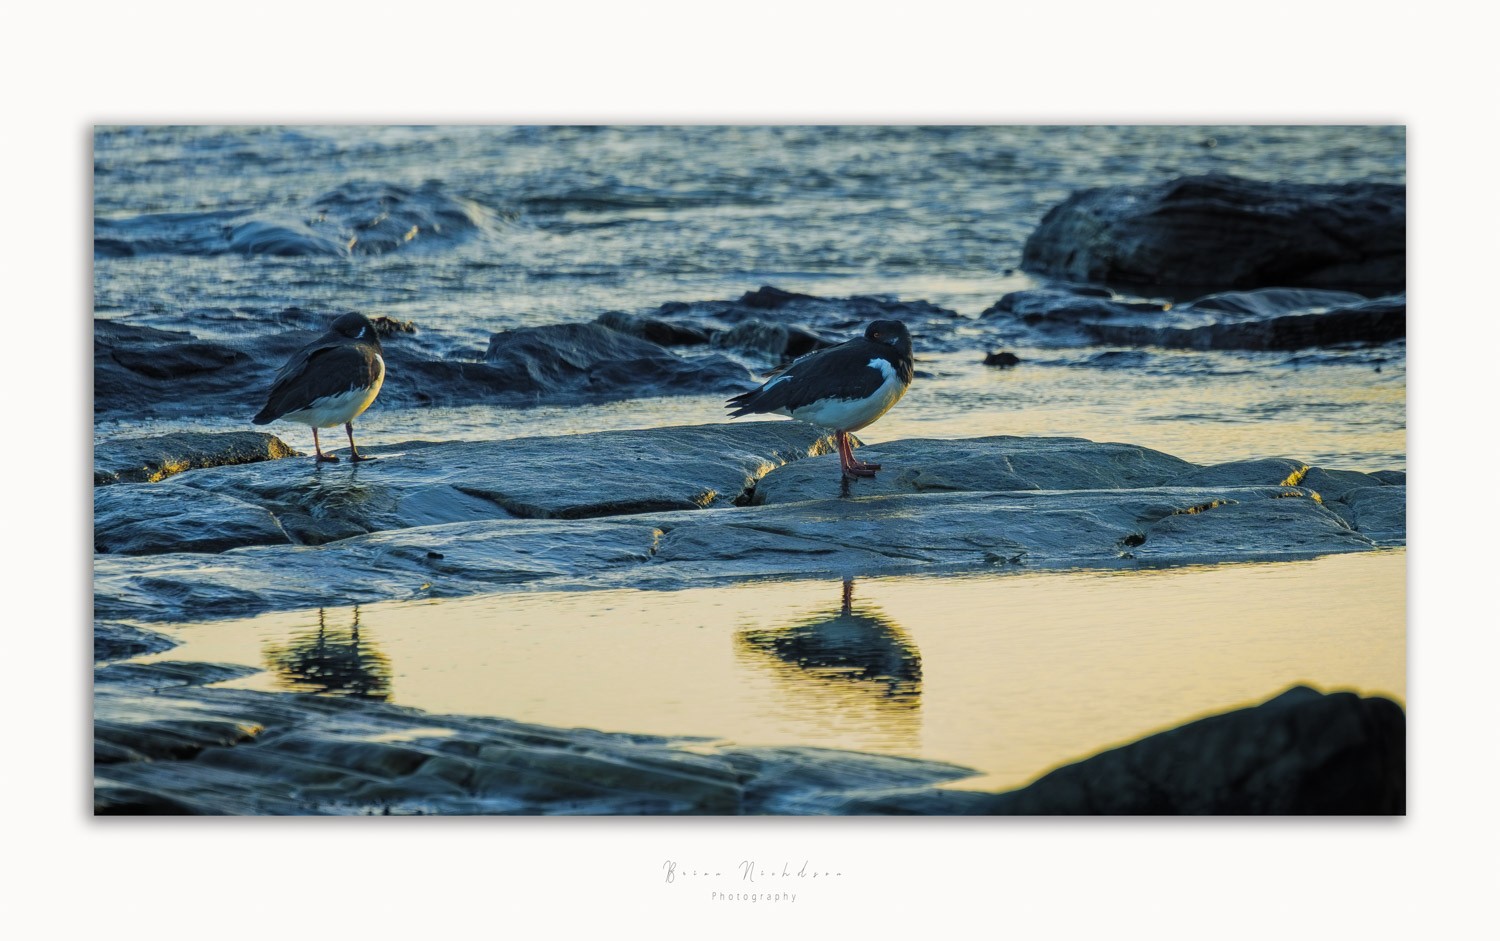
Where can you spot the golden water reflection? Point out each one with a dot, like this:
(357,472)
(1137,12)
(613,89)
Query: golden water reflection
(330,660)
(1016,673)
(845,666)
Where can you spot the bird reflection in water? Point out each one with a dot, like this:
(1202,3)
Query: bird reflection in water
(335,661)
(850,669)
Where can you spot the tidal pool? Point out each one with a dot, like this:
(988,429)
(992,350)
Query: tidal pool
(1007,674)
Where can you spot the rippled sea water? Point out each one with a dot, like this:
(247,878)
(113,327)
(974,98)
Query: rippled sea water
(571,222)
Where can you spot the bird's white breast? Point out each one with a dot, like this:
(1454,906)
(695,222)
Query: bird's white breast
(854,414)
(332,410)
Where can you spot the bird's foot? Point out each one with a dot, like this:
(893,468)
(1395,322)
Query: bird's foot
(864,466)
(326,458)
(358,458)
(860,470)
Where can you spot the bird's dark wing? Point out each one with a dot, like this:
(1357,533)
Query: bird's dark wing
(839,372)
(318,371)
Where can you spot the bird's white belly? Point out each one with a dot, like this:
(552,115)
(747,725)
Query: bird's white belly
(852,414)
(332,410)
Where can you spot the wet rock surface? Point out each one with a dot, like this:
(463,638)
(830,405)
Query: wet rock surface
(192,750)
(1302,752)
(677,506)
(422,484)
(155,458)
(1228,232)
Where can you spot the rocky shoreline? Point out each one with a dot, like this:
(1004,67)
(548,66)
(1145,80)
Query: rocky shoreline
(204,526)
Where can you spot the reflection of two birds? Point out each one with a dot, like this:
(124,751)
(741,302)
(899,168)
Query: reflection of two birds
(336,661)
(850,664)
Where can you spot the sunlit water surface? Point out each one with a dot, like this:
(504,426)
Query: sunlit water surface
(1010,675)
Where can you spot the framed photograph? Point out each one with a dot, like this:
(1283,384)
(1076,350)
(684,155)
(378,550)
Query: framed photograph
(733,470)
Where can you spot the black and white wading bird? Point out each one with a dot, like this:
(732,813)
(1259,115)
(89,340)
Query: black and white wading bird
(329,382)
(843,388)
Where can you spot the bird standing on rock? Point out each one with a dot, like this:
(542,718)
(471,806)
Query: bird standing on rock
(329,382)
(843,388)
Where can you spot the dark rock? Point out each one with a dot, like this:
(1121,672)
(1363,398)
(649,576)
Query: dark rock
(1373,322)
(656,330)
(142,372)
(591,358)
(1303,752)
(158,457)
(771,298)
(1224,231)
(1002,359)
(781,342)
(178,359)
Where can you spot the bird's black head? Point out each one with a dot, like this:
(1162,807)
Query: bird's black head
(892,332)
(355,326)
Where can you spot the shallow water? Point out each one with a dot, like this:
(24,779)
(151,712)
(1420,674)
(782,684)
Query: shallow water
(1007,674)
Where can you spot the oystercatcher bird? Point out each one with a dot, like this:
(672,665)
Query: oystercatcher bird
(329,382)
(844,388)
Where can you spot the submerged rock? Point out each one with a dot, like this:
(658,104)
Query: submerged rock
(1225,231)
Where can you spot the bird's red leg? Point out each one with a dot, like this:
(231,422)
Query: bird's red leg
(322,458)
(847,463)
(355,456)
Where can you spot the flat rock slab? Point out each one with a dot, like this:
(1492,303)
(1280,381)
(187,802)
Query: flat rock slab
(421,484)
(184,749)
(155,458)
(865,536)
